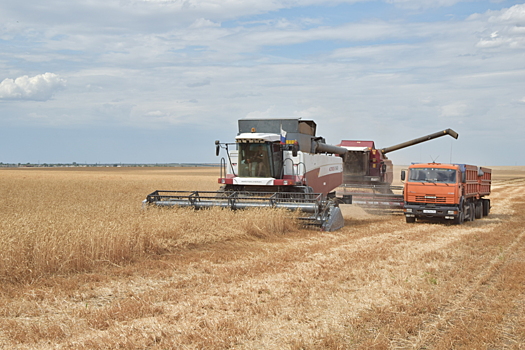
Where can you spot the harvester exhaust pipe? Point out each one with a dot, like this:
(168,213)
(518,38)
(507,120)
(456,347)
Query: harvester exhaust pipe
(419,140)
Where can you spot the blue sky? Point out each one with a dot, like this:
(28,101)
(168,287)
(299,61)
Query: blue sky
(158,81)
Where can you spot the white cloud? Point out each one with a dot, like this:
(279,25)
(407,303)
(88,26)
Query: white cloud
(504,29)
(203,23)
(270,112)
(155,114)
(313,112)
(456,109)
(39,88)
(514,15)
(422,4)
(200,83)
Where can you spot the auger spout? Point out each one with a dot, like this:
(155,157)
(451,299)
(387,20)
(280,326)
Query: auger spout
(419,140)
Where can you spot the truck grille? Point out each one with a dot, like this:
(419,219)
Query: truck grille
(431,199)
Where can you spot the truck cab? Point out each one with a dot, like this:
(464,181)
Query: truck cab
(446,191)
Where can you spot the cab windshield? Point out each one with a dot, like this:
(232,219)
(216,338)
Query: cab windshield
(434,175)
(254,160)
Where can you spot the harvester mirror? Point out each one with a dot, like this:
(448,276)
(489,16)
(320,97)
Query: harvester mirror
(217,147)
(403,175)
(295,149)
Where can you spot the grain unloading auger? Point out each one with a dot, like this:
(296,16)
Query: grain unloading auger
(274,163)
(368,173)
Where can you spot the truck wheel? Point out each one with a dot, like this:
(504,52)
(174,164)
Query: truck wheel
(410,220)
(479,210)
(471,214)
(458,220)
(486,207)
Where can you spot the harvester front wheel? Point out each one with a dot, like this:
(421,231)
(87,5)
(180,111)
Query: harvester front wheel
(410,219)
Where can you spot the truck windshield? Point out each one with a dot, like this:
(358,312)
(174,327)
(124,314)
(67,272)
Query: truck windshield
(434,175)
(254,160)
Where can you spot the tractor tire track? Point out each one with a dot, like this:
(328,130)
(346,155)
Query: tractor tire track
(437,325)
(442,322)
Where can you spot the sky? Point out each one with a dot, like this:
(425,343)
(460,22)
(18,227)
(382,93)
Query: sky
(158,81)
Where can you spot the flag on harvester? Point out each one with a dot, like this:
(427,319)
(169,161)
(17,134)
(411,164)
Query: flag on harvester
(283,136)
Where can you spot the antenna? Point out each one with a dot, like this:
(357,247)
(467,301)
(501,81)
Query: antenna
(434,160)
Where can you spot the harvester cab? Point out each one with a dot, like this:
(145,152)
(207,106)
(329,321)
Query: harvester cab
(278,163)
(257,156)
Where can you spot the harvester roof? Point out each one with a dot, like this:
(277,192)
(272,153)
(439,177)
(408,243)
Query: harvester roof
(257,137)
(355,145)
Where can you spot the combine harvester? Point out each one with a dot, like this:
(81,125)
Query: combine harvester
(274,163)
(368,173)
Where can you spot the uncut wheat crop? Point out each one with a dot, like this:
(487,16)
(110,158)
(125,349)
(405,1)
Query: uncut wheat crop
(60,221)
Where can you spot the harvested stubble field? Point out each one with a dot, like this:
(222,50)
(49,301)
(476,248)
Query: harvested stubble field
(83,267)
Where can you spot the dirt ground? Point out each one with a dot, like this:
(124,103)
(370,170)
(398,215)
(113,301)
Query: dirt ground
(378,283)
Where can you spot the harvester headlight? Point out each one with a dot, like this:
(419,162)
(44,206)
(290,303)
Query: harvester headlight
(452,212)
(408,210)
(223,181)
(285,182)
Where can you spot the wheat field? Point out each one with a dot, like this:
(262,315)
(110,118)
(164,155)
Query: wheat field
(83,266)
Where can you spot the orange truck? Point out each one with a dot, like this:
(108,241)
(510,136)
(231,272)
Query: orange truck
(448,192)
